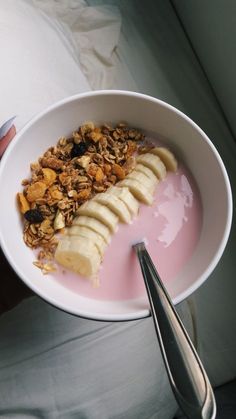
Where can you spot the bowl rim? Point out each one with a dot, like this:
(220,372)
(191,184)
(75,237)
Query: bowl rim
(189,290)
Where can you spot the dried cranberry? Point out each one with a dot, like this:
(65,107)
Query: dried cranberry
(34,216)
(78,149)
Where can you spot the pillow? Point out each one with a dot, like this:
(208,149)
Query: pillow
(39,64)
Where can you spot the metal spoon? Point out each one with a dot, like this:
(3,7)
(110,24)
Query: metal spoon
(187,376)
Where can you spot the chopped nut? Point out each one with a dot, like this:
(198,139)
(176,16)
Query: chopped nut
(107,169)
(77,137)
(46,227)
(98,187)
(113,179)
(35,166)
(62,141)
(59,221)
(129,165)
(49,176)
(25,182)
(118,171)
(96,136)
(83,195)
(83,161)
(52,163)
(132,147)
(33,228)
(110,158)
(82,179)
(55,192)
(98,159)
(23,203)
(35,190)
(72,194)
(63,176)
(87,127)
(92,170)
(99,175)
(84,185)
(145,148)
(45,267)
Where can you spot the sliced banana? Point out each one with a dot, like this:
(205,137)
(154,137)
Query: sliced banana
(115,205)
(94,225)
(149,184)
(81,231)
(124,194)
(79,255)
(154,163)
(100,212)
(82,247)
(138,190)
(146,171)
(167,157)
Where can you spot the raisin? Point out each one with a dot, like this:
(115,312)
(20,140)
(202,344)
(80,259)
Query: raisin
(34,216)
(78,149)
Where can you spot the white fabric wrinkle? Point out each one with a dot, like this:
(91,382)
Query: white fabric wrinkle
(96,33)
(64,9)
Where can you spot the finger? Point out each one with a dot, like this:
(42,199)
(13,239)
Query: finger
(4,141)
(12,289)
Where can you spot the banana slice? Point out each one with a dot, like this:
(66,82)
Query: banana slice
(126,196)
(94,225)
(167,157)
(79,255)
(147,172)
(80,231)
(154,163)
(149,184)
(100,212)
(115,205)
(138,190)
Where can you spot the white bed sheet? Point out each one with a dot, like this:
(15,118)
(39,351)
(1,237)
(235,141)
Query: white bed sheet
(149,53)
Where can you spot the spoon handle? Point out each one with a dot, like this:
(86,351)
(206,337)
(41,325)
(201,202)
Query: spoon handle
(187,376)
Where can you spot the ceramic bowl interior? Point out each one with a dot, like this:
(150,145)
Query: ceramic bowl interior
(182,134)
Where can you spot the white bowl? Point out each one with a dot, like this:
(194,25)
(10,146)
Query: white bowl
(142,111)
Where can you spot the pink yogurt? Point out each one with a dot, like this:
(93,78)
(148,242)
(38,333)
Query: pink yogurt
(170,229)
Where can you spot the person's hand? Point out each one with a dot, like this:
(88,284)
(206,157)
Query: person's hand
(4,141)
(12,289)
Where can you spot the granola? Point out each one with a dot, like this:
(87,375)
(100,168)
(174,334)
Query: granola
(88,162)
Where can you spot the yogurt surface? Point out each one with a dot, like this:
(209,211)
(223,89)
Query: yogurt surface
(170,229)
